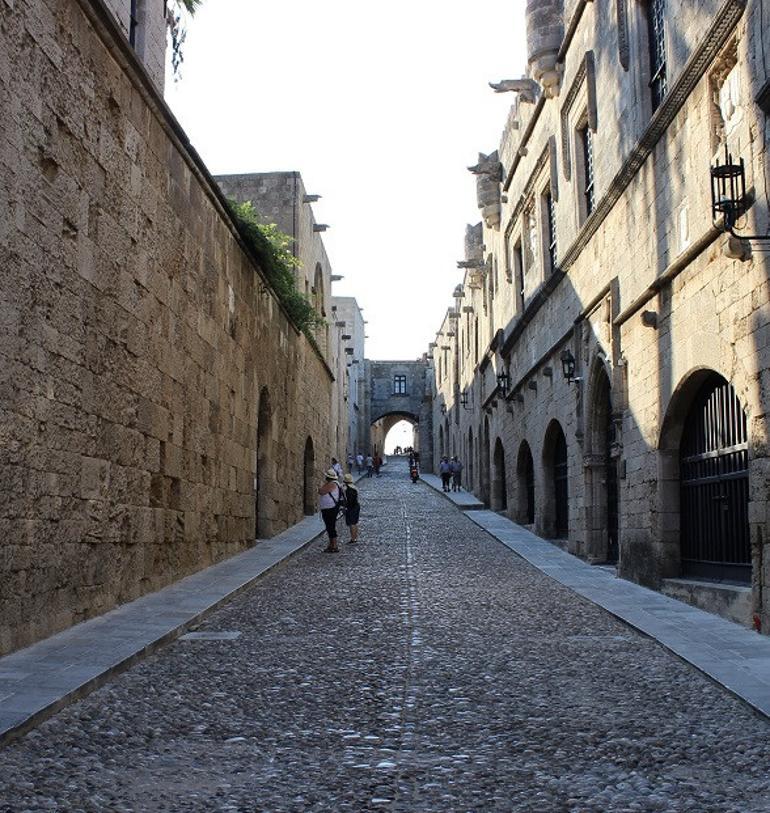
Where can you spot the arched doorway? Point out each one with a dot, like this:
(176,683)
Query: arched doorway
(471,467)
(556,508)
(484,455)
(382,425)
(714,485)
(499,488)
(525,472)
(601,472)
(308,478)
(262,477)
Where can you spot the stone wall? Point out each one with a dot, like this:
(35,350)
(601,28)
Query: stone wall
(149,379)
(645,294)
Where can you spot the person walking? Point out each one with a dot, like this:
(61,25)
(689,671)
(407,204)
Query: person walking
(350,462)
(369,465)
(338,468)
(352,508)
(360,462)
(456,467)
(330,500)
(443,470)
(377,464)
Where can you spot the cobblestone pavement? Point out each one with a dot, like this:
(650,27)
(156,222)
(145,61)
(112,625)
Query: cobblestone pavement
(425,669)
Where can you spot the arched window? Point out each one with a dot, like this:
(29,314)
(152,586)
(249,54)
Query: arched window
(308,478)
(263,475)
(714,485)
(499,486)
(556,482)
(525,471)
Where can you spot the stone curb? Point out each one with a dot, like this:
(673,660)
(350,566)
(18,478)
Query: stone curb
(464,500)
(734,657)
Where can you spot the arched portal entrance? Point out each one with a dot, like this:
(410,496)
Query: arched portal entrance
(383,424)
(556,505)
(601,472)
(714,485)
(499,487)
(308,478)
(262,476)
(525,473)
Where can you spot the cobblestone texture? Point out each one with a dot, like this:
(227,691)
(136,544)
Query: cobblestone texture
(426,669)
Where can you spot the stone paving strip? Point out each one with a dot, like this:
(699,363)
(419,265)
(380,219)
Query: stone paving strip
(38,681)
(735,657)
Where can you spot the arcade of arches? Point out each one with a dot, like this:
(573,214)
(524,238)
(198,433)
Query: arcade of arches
(569,487)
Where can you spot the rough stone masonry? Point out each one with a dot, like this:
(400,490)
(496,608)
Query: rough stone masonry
(140,345)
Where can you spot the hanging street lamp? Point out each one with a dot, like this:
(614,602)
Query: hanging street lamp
(728,196)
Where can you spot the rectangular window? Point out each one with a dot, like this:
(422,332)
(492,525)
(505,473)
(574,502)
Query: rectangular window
(518,274)
(399,383)
(656,10)
(587,140)
(550,228)
(133,23)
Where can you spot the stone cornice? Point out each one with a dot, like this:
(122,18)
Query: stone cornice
(539,299)
(724,22)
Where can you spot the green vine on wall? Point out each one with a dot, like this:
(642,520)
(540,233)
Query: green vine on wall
(273,250)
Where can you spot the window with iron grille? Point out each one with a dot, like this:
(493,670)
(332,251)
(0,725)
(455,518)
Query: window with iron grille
(399,383)
(550,211)
(656,10)
(587,140)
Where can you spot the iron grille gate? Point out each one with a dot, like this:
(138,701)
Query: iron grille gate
(714,481)
(561,487)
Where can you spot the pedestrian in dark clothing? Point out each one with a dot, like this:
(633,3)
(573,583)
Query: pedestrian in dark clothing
(377,464)
(444,471)
(352,509)
(456,468)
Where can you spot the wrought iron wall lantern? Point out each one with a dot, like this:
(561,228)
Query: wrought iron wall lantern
(728,196)
(568,366)
(503,382)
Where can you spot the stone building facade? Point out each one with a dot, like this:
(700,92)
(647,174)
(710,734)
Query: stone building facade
(597,250)
(159,411)
(143,24)
(349,319)
(401,390)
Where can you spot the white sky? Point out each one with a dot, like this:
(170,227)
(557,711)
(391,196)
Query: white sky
(402,434)
(381,107)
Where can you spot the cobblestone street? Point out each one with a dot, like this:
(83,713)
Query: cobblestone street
(426,669)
